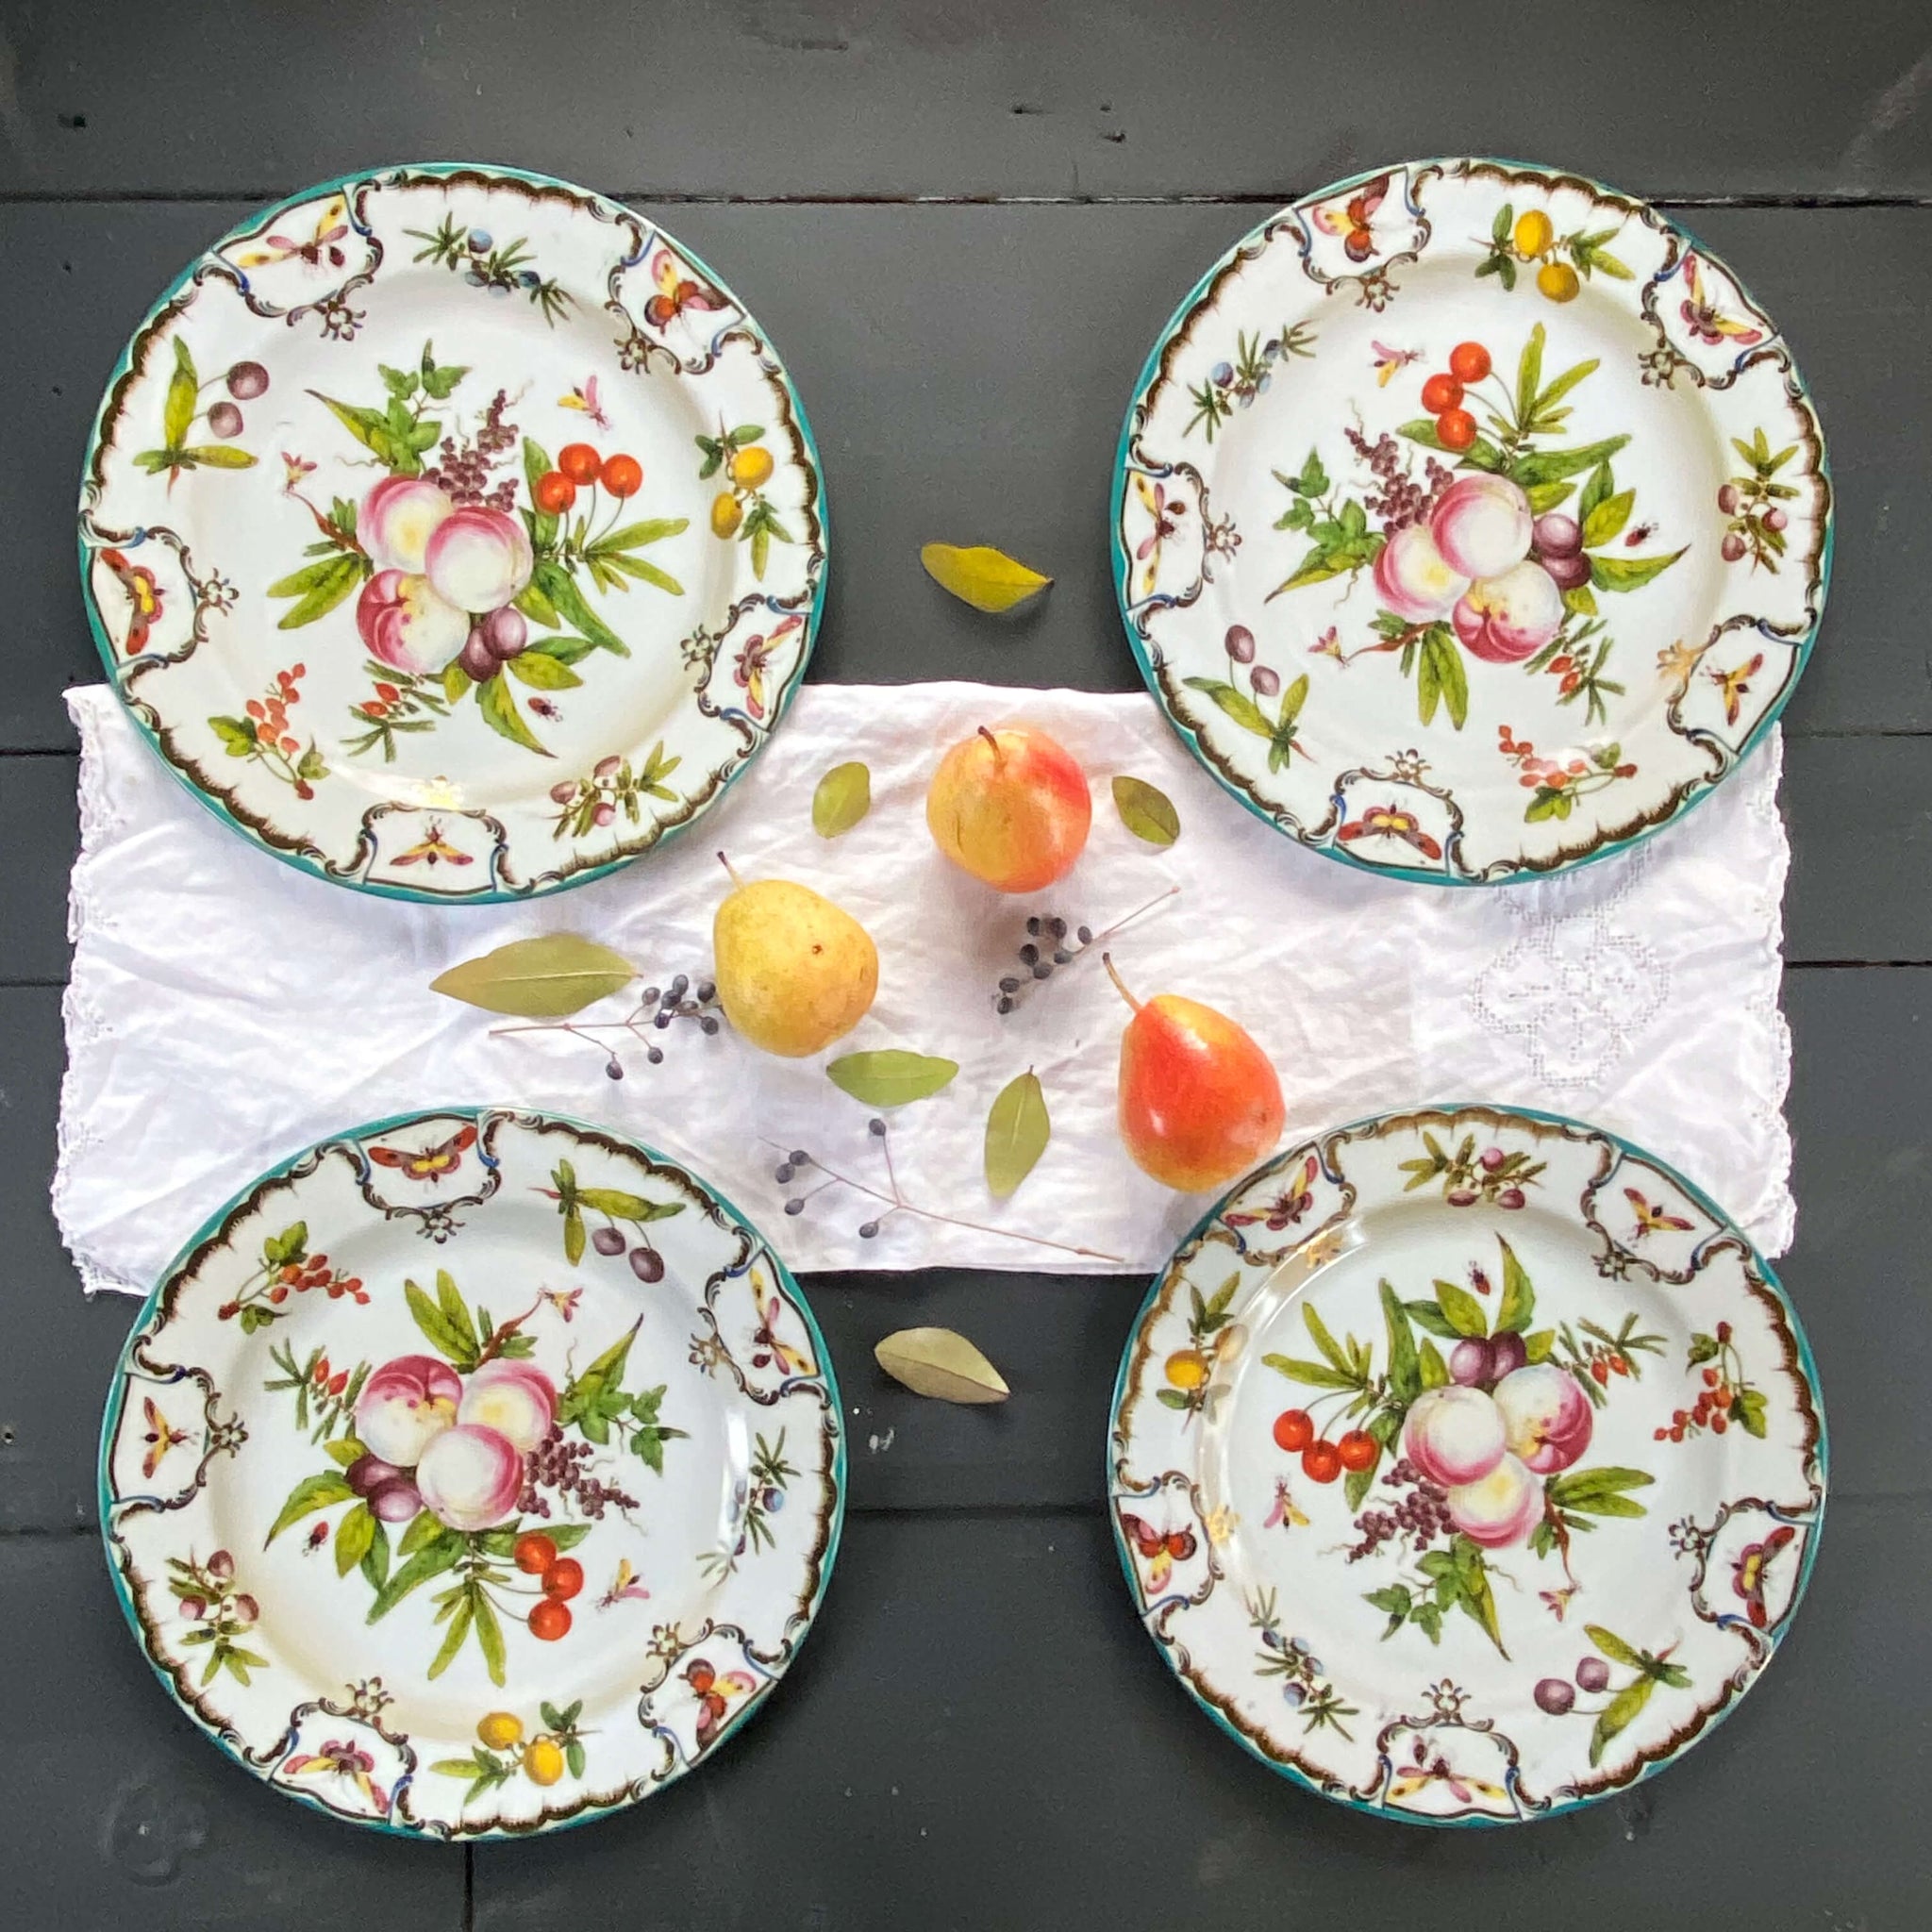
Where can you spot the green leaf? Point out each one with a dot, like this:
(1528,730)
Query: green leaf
(634,536)
(1618,1714)
(890,1076)
(1318,1329)
(566,649)
(1563,385)
(311,1493)
(456,680)
(1238,705)
(1147,810)
(1404,1367)
(555,584)
(1529,374)
(458,1629)
(298,583)
(441,1334)
(1548,496)
(1614,1647)
(365,426)
(538,609)
(1593,1490)
(841,799)
(423,1528)
(1751,1410)
(1462,1310)
(1017,1131)
(501,714)
(646,572)
(542,671)
(1537,1347)
(289,1245)
(1439,647)
(1607,518)
(344,574)
(1429,1315)
(1315,1374)
(548,977)
(237,733)
(450,1303)
(1628,572)
(1435,1370)
(624,1206)
(986,579)
(573,1235)
(1551,466)
(432,1560)
(1602,485)
(375,1558)
(218,456)
(344,1450)
(490,1638)
(1580,600)
(1518,1298)
(355,1533)
(177,412)
(1477,1599)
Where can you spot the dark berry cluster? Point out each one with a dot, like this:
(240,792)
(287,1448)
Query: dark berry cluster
(1048,945)
(788,1170)
(1421,1515)
(464,471)
(680,1000)
(1398,499)
(554,1464)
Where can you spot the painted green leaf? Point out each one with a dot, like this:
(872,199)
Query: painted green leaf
(890,1076)
(1314,1375)
(1238,705)
(1599,1491)
(1750,1410)
(986,579)
(548,977)
(311,1493)
(441,1334)
(1517,1305)
(1435,1370)
(622,1206)
(501,714)
(1017,1131)
(432,1560)
(542,671)
(354,1535)
(1553,465)
(554,584)
(1628,572)
(177,412)
(1607,519)
(573,1235)
(375,1558)
(490,1637)
(1462,1310)
(218,456)
(1324,1340)
(1617,1715)
(842,797)
(1147,810)
(652,531)
(1429,1315)
(1404,1367)
(423,1528)
(458,1629)
(338,577)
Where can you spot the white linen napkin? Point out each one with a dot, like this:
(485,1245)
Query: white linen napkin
(224,1010)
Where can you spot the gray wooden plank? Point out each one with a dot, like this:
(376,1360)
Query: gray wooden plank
(966,369)
(978,1735)
(120,1813)
(846,97)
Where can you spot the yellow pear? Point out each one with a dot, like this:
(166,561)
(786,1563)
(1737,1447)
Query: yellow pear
(795,971)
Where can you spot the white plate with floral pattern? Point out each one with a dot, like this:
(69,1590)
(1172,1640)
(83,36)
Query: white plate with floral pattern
(1471,521)
(473,1473)
(453,532)
(1467,1465)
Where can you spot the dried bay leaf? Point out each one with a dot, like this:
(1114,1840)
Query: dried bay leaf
(843,798)
(890,1076)
(1147,810)
(942,1364)
(1017,1131)
(986,579)
(548,977)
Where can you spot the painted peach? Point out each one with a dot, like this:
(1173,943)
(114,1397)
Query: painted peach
(1453,1435)
(404,1405)
(478,559)
(471,1476)
(1414,579)
(1482,525)
(1546,1416)
(406,625)
(398,518)
(1504,620)
(516,1399)
(1498,1508)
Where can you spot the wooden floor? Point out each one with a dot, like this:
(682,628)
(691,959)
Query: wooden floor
(964,224)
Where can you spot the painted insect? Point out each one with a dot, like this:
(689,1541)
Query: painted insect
(1161,1549)
(585,399)
(1702,317)
(1424,1770)
(1389,822)
(1651,1218)
(1285,1514)
(1747,1579)
(143,599)
(714,1691)
(1353,219)
(429,1163)
(676,291)
(1166,517)
(1389,362)
(317,1536)
(1288,1207)
(434,850)
(1736,684)
(160,1435)
(755,659)
(769,1349)
(625,1587)
(1641,534)
(331,227)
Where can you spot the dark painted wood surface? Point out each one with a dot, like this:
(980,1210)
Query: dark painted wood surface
(977,1735)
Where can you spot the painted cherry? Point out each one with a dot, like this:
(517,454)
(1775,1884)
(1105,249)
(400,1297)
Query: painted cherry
(555,493)
(1357,1450)
(1469,363)
(1321,1462)
(533,1554)
(579,462)
(549,1619)
(1456,429)
(563,1579)
(622,475)
(1441,393)
(1294,1429)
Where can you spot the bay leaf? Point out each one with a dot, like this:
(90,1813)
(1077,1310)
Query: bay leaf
(548,977)
(1017,1131)
(890,1076)
(843,798)
(942,1364)
(1147,810)
(986,579)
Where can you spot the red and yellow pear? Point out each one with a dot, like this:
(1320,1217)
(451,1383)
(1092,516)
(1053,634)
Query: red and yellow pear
(1199,1101)
(1011,807)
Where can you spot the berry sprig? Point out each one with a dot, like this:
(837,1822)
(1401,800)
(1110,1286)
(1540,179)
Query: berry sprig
(1421,1515)
(554,1464)
(1051,944)
(657,1008)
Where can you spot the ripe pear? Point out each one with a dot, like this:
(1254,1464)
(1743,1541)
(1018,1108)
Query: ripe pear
(795,971)
(1199,1102)
(1011,807)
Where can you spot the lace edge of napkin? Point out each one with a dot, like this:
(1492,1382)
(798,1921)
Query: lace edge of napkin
(1780,1210)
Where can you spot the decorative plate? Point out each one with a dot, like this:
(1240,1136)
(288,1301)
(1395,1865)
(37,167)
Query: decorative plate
(1467,1465)
(453,532)
(472,1474)
(1471,521)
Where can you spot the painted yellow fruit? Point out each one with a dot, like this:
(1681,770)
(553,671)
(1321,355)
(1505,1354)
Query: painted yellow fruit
(1534,232)
(1187,1368)
(543,1760)
(727,515)
(1558,280)
(751,467)
(501,1729)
